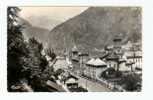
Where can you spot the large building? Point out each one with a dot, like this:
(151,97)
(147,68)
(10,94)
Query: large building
(116,58)
(78,59)
(126,57)
(94,68)
(134,55)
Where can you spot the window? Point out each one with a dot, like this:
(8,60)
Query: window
(114,65)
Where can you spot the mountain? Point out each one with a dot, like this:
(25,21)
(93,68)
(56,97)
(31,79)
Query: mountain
(43,21)
(96,27)
(30,31)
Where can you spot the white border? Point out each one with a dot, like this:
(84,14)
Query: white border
(147,32)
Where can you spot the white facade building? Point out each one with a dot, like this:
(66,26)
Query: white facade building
(94,68)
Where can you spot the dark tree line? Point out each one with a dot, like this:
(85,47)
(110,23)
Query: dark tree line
(16,46)
(25,60)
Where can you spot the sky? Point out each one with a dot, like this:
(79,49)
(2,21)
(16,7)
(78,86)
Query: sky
(49,17)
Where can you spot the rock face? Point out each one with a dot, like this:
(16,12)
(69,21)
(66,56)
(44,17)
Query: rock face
(96,27)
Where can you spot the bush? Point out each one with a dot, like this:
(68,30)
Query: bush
(111,73)
(131,82)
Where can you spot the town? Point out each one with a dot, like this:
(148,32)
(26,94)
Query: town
(102,53)
(108,72)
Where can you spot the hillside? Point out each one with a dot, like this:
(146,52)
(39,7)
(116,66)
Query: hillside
(96,27)
(30,31)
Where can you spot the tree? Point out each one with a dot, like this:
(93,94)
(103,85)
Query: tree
(16,46)
(50,53)
(25,60)
(37,66)
(35,63)
(131,81)
(58,72)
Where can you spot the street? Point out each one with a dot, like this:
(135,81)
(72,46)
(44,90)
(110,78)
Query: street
(92,86)
(88,84)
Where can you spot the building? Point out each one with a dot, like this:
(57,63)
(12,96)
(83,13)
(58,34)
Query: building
(137,62)
(116,56)
(83,58)
(134,56)
(94,67)
(78,59)
(60,64)
(117,42)
(71,82)
(75,65)
(117,62)
(75,52)
(74,58)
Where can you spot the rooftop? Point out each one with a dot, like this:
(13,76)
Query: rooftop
(96,62)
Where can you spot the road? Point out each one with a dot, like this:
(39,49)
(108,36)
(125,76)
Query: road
(90,85)
(93,86)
